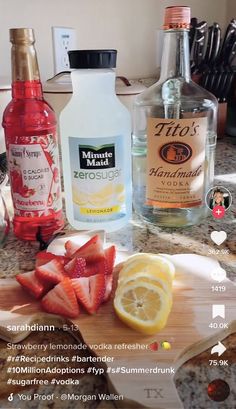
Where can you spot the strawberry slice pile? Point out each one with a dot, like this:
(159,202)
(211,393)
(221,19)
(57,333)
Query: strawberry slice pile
(82,277)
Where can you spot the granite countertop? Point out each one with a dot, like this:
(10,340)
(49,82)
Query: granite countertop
(137,236)
(18,256)
(141,237)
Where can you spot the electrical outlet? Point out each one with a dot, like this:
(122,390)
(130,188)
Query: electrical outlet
(64,39)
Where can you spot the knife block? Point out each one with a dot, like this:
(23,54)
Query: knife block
(231,113)
(222,110)
(221,119)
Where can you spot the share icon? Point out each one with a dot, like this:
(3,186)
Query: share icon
(218,349)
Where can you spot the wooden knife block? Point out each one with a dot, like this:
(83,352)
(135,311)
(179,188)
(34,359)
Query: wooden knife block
(222,110)
(221,119)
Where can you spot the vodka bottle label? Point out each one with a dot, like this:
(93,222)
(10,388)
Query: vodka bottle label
(176,162)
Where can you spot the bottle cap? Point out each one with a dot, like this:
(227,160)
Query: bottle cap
(22,35)
(177,17)
(92,58)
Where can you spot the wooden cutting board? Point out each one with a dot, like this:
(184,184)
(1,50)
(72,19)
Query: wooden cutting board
(187,330)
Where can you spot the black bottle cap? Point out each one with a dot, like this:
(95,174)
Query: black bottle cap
(92,58)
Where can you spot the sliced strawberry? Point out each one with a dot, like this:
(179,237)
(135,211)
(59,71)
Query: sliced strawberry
(153,346)
(110,255)
(76,267)
(104,266)
(108,287)
(44,257)
(90,291)
(52,272)
(92,250)
(71,248)
(32,284)
(98,267)
(61,300)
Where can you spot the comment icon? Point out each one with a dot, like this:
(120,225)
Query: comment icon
(218,274)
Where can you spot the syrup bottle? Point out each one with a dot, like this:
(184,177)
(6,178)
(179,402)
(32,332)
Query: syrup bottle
(31,144)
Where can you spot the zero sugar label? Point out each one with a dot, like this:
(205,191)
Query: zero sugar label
(98,178)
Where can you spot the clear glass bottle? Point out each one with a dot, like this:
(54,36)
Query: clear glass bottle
(174,136)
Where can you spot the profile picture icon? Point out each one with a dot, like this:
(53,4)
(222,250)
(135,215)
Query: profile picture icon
(218,196)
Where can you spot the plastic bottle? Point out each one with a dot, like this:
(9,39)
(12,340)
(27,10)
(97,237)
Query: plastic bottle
(96,145)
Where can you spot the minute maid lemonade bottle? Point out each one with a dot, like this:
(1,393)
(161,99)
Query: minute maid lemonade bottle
(96,145)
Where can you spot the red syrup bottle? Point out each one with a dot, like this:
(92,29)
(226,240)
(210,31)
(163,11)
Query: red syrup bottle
(31,143)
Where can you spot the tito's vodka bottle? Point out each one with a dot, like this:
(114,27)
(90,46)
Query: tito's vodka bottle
(174,136)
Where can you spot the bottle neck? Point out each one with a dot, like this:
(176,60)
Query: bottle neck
(175,61)
(25,72)
(93,81)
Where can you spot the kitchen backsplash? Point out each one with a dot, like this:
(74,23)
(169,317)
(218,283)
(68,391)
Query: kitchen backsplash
(129,26)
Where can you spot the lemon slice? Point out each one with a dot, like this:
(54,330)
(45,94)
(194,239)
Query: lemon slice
(154,269)
(150,270)
(161,261)
(80,198)
(96,200)
(107,191)
(140,278)
(155,280)
(121,198)
(142,306)
(119,188)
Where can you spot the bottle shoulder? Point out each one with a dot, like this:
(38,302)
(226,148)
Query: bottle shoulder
(187,91)
(87,115)
(29,104)
(29,112)
(81,103)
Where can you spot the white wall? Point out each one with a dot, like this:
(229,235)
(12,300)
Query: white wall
(231,9)
(128,25)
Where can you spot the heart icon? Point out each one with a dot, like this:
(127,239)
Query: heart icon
(218,237)
(153,346)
